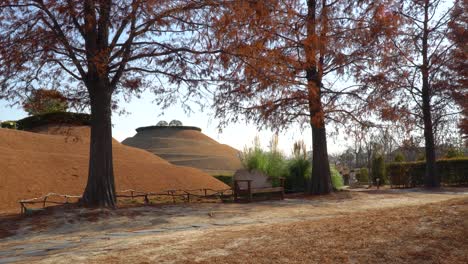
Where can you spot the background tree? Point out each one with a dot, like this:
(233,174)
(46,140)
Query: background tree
(162,123)
(283,59)
(175,123)
(409,72)
(399,157)
(347,158)
(100,49)
(363,175)
(454,153)
(459,57)
(378,169)
(43,101)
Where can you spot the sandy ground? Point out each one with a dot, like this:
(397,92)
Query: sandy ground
(389,226)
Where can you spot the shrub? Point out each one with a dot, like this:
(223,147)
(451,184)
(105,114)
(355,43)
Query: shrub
(378,170)
(299,170)
(453,171)
(409,174)
(276,165)
(336,178)
(44,101)
(399,157)
(363,175)
(253,159)
(453,153)
(271,163)
(299,175)
(421,157)
(51,118)
(9,124)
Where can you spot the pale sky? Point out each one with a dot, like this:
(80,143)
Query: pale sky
(144,112)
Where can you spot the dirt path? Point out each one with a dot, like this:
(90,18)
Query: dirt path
(237,233)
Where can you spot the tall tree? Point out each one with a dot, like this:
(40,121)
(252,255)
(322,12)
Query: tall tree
(282,59)
(103,48)
(409,71)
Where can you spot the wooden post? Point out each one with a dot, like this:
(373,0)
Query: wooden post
(146,199)
(44,203)
(249,190)
(205,192)
(188,197)
(282,188)
(235,191)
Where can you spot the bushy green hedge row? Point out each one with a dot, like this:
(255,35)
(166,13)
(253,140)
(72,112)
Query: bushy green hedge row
(410,174)
(56,117)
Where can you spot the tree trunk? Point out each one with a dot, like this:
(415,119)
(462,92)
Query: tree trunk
(431,178)
(100,189)
(320,182)
(369,165)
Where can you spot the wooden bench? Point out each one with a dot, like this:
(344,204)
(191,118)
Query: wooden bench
(246,184)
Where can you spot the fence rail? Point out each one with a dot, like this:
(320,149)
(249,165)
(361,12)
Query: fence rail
(185,195)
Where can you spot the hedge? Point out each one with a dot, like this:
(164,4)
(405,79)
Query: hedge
(8,124)
(410,174)
(51,118)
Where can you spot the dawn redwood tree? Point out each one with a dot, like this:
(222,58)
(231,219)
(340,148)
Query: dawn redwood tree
(101,48)
(409,72)
(281,60)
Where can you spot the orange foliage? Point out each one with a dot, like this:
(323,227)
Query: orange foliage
(281,58)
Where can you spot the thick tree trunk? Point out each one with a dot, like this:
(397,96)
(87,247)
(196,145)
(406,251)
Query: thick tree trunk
(431,178)
(100,190)
(320,182)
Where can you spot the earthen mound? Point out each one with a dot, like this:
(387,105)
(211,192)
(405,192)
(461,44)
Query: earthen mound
(187,146)
(56,160)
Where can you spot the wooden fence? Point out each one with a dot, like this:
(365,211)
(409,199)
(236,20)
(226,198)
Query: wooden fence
(185,195)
